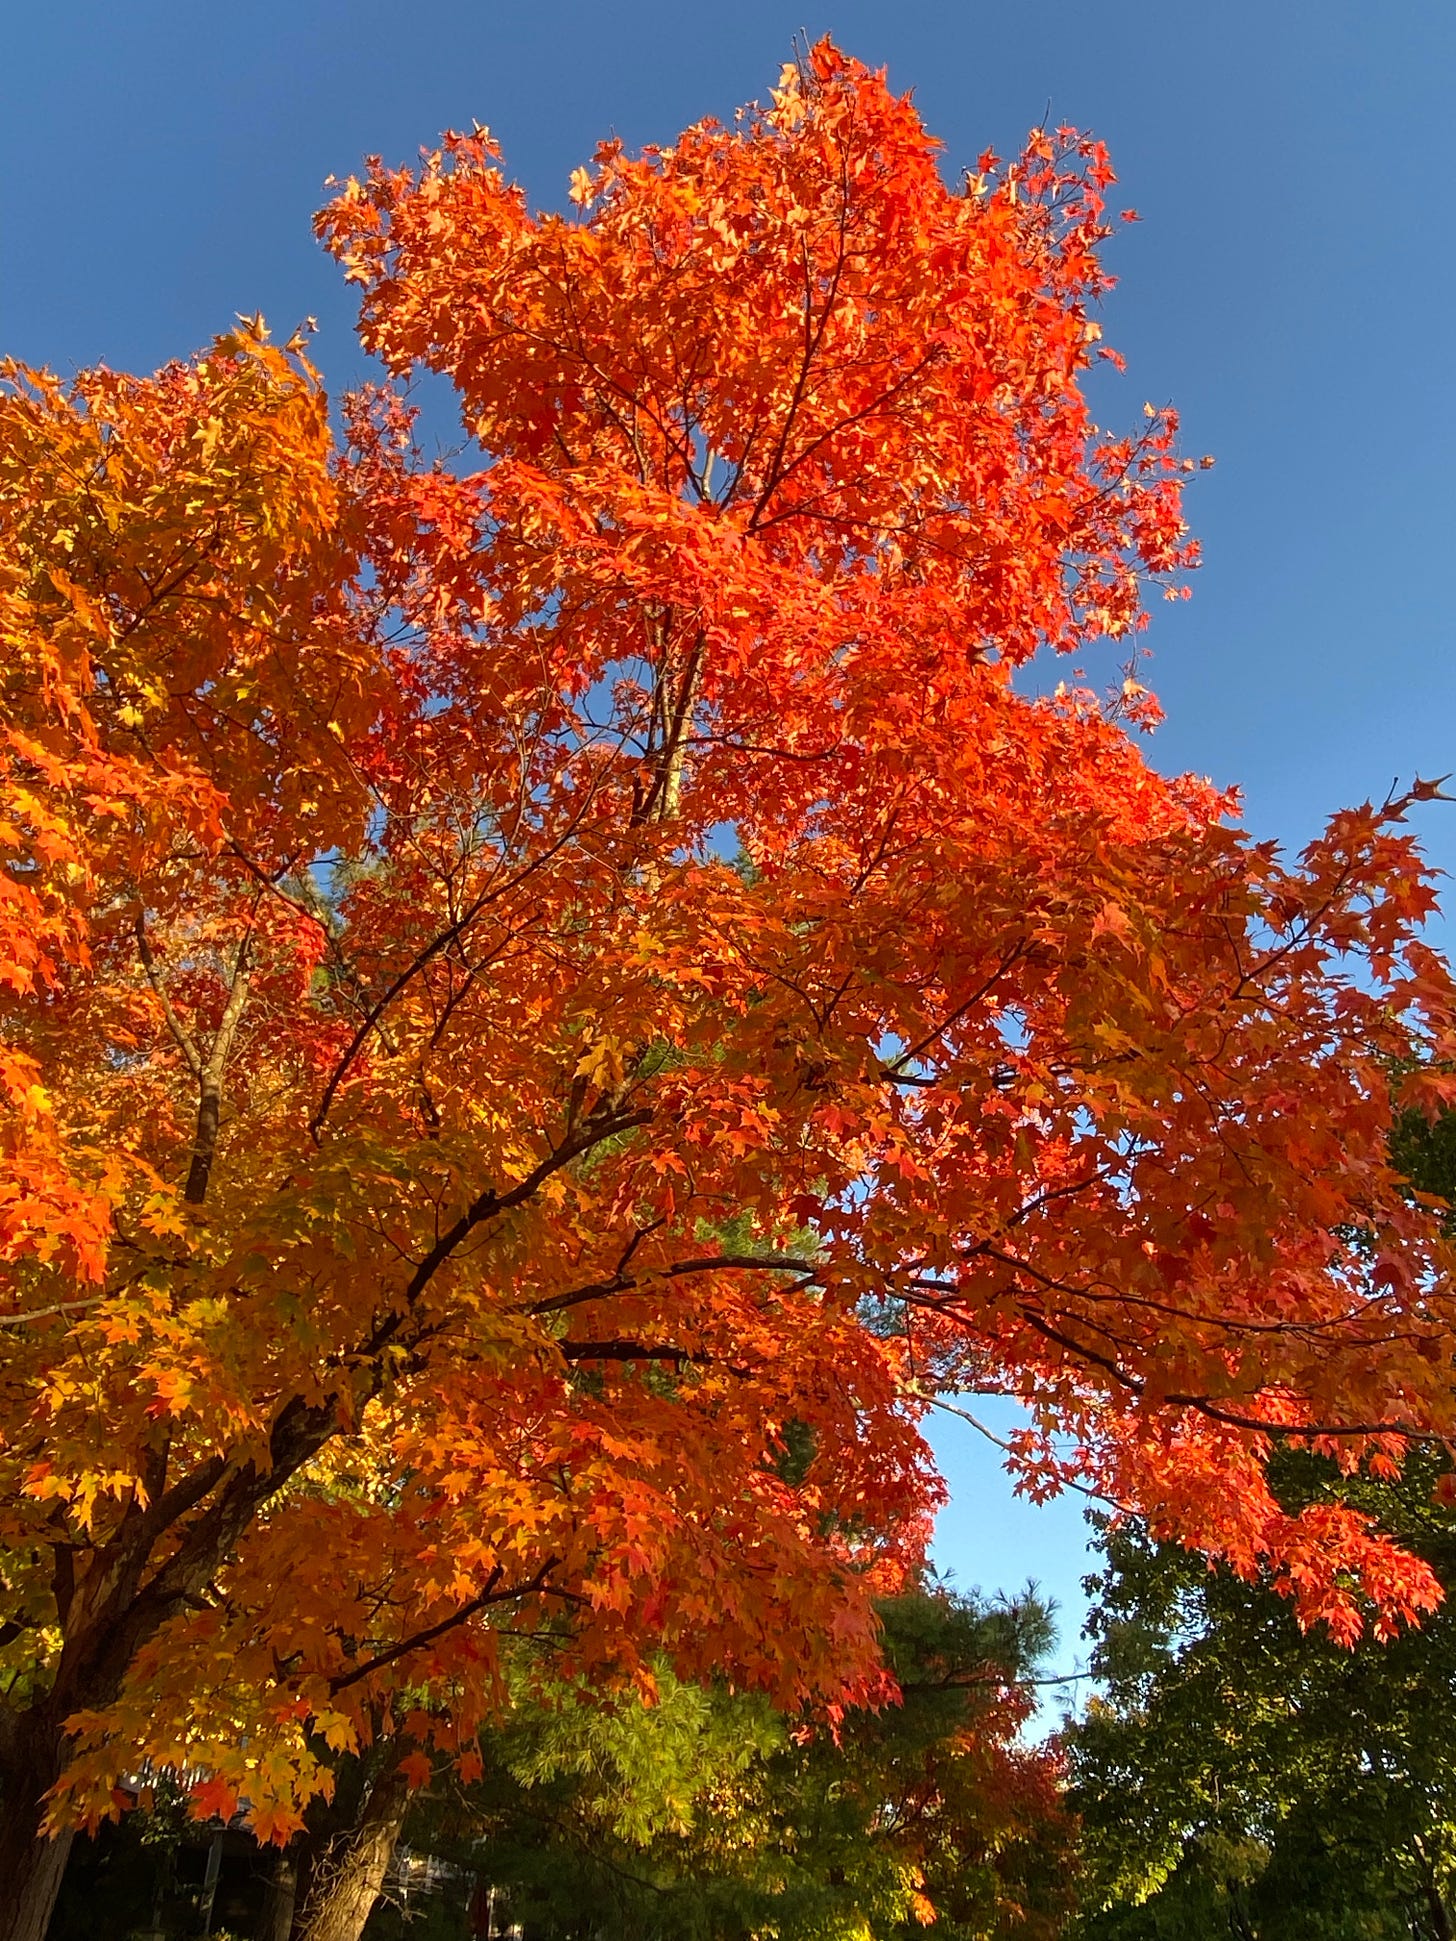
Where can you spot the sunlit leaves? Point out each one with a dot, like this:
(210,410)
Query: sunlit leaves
(444,1176)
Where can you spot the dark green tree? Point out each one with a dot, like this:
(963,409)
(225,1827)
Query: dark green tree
(1242,1777)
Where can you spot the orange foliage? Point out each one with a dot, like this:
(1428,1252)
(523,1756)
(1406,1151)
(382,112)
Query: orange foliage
(442,1183)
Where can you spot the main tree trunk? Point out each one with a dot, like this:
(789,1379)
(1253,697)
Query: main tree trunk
(31,1863)
(348,1877)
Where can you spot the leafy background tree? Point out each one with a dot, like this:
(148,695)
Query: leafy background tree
(1239,1774)
(704,1814)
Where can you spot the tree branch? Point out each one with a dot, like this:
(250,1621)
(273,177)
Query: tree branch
(623,1282)
(490,1595)
(181,1037)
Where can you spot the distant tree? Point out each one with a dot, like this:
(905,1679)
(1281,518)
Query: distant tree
(1243,1776)
(705,1815)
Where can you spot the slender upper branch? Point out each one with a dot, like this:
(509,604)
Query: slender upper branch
(491,1594)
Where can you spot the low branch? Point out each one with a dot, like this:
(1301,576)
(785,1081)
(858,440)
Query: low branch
(27,1315)
(417,1642)
(622,1282)
(1063,1482)
(622,1350)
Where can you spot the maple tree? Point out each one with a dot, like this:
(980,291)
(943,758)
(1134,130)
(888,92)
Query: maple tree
(440,1181)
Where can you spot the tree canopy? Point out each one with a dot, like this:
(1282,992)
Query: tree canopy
(443,1186)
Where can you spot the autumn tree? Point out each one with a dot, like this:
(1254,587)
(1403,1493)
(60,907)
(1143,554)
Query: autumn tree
(174,1389)
(389,1046)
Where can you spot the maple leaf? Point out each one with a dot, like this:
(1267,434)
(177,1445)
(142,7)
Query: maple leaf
(213,1799)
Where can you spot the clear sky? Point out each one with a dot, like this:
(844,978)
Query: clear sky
(1291,288)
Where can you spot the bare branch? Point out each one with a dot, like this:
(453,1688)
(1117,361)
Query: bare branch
(27,1315)
(490,1595)
(183,1038)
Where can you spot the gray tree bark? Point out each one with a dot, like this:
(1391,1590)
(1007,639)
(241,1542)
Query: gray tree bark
(349,1874)
(31,1863)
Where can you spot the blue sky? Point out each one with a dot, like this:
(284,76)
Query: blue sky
(1290,288)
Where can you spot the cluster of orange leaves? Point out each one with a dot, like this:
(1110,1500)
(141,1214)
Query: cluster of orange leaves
(568,1174)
